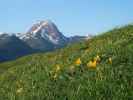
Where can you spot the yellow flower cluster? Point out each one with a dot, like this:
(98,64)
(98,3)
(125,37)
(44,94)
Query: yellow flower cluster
(93,64)
(78,62)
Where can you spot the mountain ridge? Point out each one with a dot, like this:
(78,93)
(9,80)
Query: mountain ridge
(43,36)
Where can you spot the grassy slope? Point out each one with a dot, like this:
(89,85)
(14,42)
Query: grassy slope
(31,77)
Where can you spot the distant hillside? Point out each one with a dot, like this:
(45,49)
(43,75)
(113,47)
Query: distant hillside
(11,47)
(100,68)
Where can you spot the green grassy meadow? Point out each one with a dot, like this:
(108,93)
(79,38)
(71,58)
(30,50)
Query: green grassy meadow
(100,68)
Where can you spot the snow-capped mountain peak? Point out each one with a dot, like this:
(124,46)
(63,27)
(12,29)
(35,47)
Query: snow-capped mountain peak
(43,31)
(45,34)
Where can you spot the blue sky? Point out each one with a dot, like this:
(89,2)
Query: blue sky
(73,17)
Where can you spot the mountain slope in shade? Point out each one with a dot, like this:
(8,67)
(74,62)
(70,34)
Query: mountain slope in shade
(12,47)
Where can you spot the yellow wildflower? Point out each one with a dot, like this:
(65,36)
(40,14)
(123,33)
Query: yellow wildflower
(78,62)
(92,64)
(19,90)
(55,76)
(110,60)
(55,73)
(97,58)
(58,68)
(72,69)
